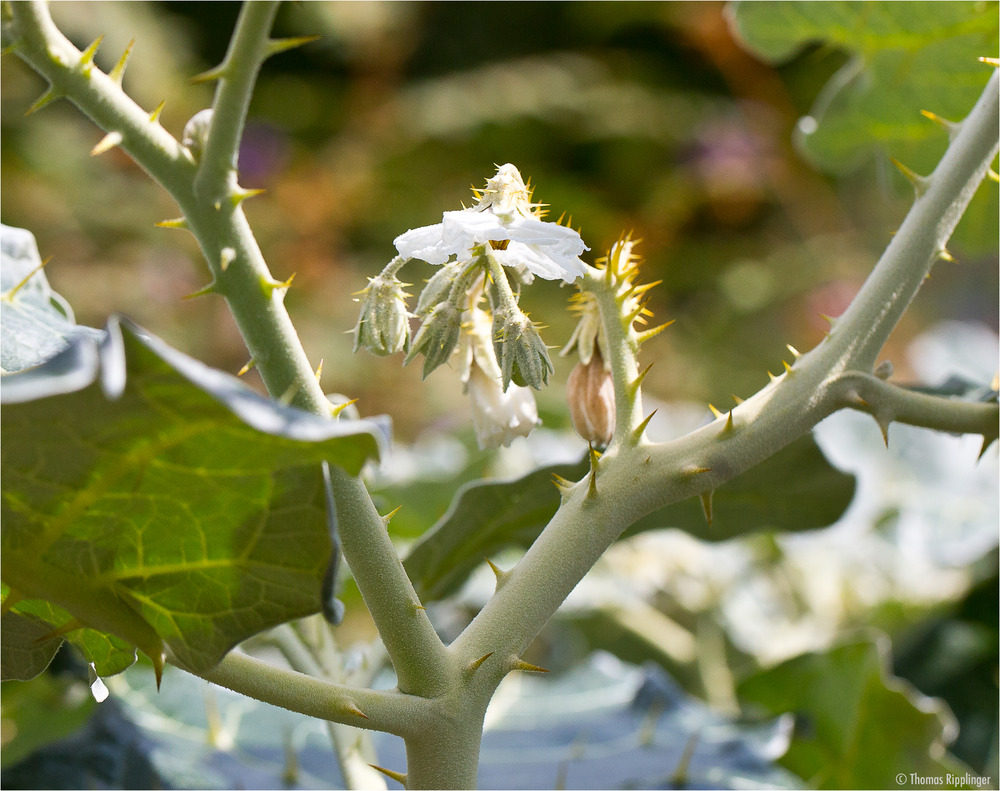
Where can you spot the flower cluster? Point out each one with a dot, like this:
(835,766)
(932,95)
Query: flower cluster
(486,252)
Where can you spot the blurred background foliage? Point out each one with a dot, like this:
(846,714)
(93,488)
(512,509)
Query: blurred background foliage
(628,117)
(762,189)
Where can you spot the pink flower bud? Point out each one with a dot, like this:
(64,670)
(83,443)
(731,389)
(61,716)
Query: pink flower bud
(591,396)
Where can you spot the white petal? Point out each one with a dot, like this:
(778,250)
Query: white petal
(540,261)
(423,243)
(533,231)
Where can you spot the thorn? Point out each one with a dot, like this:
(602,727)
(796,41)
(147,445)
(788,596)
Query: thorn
(388,517)
(155,115)
(642,337)
(944,255)
(634,386)
(829,320)
(736,398)
(561,483)
(795,352)
(992,175)
(527,667)
(217,73)
(594,459)
(10,48)
(772,377)
(399,777)
(706,504)
(50,95)
(351,708)
(118,72)
(417,607)
(475,664)
(995,62)
(920,183)
(211,288)
(226,256)
(109,141)
(693,469)
(249,364)
(8,296)
(87,56)
(639,430)
(715,411)
(729,422)
(949,126)
(788,368)
(883,426)
(987,442)
(270,285)
(239,195)
(319,370)
(180,223)
(159,659)
(276,45)
(335,411)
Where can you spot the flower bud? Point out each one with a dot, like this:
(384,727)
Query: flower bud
(383,327)
(196,132)
(591,397)
(439,286)
(499,415)
(437,336)
(523,358)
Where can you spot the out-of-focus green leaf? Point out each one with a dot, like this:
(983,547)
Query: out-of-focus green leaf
(908,57)
(50,708)
(857,726)
(796,489)
(23,653)
(35,322)
(161,501)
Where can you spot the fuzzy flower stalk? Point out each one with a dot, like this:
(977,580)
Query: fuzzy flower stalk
(487,253)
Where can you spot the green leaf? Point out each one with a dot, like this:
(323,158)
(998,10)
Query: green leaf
(23,653)
(160,501)
(35,322)
(857,725)
(796,489)
(906,57)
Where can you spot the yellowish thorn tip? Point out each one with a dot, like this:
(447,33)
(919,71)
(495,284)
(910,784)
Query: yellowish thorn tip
(715,411)
(995,62)
(109,141)
(8,296)
(335,411)
(179,223)
(788,368)
(795,352)
(118,72)
(399,777)
(216,73)
(45,99)
(736,398)
(250,364)
(276,45)
(154,116)
(527,667)
(641,428)
(388,517)
(351,708)
(87,56)
(706,505)
(475,664)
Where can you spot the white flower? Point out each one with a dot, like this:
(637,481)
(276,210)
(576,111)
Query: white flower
(505,218)
(497,416)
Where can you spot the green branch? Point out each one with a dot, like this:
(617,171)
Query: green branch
(381,710)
